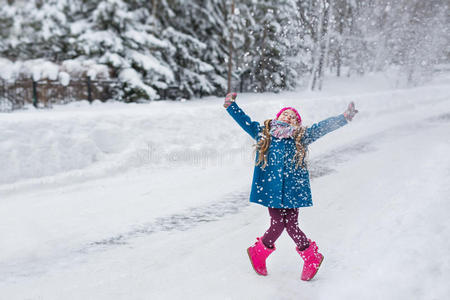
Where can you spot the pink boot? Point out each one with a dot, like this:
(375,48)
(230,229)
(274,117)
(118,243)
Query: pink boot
(258,254)
(312,259)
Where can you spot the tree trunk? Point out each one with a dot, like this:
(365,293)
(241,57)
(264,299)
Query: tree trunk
(340,29)
(230,48)
(324,63)
(154,7)
(318,50)
(263,60)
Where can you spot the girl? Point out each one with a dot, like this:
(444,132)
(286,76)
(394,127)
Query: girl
(281,178)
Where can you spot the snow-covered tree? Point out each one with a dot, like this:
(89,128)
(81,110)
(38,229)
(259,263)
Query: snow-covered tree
(417,36)
(408,34)
(41,30)
(7,15)
(194,29)
(125,39)
(269,45)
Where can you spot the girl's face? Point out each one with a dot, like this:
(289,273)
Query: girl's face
(288,116)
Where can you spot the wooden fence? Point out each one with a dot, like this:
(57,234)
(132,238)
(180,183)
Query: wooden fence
(44,93)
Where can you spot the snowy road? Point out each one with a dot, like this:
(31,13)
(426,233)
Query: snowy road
(380,188)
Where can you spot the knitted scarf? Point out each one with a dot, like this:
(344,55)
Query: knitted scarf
(281,130)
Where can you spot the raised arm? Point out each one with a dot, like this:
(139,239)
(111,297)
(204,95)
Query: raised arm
(251,127)
(328,125)
(318,130)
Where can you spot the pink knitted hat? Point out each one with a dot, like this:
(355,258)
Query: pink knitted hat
(299,119)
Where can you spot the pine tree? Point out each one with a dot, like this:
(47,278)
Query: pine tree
(194,29)
(269,45)
(40,30)
(7,15)
(124,39)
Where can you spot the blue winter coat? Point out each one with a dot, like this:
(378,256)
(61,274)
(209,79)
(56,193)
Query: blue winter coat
(280,184)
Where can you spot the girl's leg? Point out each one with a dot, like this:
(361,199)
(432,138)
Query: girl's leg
(291,223)
(276,227)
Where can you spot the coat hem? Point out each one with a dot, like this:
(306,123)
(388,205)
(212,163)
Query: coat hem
(296,206)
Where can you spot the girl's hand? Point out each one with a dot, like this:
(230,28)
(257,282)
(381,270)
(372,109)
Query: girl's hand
(230,98)
(350,112)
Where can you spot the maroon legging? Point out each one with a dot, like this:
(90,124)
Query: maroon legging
(284,218)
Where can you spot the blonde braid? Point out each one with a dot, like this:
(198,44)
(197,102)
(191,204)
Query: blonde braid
(262,146)
(300,154)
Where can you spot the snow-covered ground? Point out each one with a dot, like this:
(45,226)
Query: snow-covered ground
(150,201)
